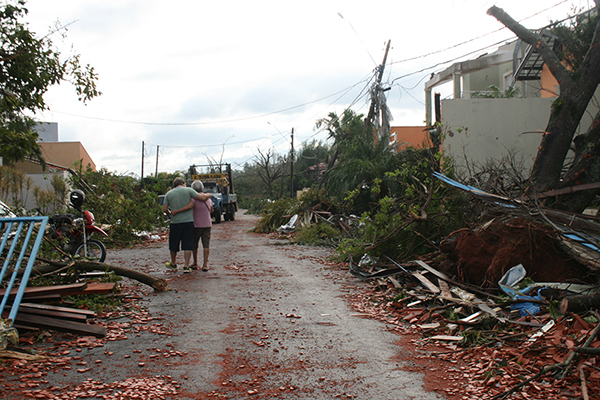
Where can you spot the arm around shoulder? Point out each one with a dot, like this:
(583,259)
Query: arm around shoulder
(203,196)
(188,207)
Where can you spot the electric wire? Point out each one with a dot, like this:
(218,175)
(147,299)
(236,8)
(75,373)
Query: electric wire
(358,97)
(478,37)
(211,122)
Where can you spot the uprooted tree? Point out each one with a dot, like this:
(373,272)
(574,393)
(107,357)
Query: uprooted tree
(578,74)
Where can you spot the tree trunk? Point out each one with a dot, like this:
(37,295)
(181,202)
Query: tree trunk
(577,89)
(580,303)
(566,114)
(158,284)
(585,169)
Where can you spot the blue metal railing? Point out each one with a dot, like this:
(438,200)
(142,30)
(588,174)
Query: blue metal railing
(13,243)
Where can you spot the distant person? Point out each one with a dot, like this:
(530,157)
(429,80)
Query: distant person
(181,228)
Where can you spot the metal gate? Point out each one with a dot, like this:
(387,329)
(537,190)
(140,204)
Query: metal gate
(21,240)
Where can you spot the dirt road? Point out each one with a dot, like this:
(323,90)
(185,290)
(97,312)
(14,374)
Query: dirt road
(269,320)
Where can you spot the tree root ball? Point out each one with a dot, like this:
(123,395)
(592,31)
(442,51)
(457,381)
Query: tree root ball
(481,256)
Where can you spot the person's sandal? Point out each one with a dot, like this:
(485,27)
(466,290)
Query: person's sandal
(170,265)
(205,268)
(194,267)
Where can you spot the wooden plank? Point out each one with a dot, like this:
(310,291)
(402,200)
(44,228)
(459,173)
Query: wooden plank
(395,282)
(49,314)
(434,271)
(472,317)
(88,313)
(99,288)
(445,277)
(445,288)
(46,290)
(61,325)
(44,298)
(447,338)
(53,314)
(570,189)
(426,282)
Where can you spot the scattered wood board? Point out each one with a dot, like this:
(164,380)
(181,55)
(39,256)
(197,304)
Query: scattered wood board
(426,282)
(88,313)
(52,314)
(447,338)
(60,325)
(99,288)
(62,290)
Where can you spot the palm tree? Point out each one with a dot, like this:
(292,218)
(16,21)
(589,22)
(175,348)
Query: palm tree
(357,160)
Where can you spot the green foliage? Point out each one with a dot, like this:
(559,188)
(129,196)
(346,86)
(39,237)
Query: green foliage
(309,164)
(28,67)
(575,37)
(321,234)
(404,211)
(120,202)
(98,303)
(413,213)
(160,184)
(254,205)
(247,184)
(276,214)
(554,309)
(494,92)
(361,175)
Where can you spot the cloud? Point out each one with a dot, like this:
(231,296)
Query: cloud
(252,70)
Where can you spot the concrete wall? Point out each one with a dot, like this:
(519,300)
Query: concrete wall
(26,197)
(402,137)
(479,130)
(47,131)
(66,154)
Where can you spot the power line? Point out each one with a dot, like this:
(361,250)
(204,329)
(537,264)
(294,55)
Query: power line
(478,37)
(207,123)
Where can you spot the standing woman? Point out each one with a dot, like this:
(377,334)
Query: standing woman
(202,225)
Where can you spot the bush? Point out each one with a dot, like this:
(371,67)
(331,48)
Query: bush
(276,214)
(254,205)
(321,234)
(120,202)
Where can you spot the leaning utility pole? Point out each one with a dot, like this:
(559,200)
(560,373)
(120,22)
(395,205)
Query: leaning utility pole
(380,69)
(142,177)
(156,171)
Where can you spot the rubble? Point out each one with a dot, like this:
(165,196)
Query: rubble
(505,352)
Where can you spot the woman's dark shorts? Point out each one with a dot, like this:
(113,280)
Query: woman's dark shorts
(204,234)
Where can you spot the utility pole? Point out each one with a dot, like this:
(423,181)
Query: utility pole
(380,69)
(156,171)
(142,177)
(292,167)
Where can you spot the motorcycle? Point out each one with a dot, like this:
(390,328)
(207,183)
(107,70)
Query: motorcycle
(75,232)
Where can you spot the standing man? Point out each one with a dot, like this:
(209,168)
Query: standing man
(181,228)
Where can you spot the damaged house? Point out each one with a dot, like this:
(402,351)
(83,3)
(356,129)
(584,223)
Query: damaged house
(500,106)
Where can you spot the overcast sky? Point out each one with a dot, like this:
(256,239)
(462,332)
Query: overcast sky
(222,79)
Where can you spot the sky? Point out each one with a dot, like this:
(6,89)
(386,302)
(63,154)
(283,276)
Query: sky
(190,81)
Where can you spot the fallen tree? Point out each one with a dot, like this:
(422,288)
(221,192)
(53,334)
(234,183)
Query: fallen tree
(577,71)
(580,303)
(52,266)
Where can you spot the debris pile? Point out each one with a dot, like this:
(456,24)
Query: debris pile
(506,343)
(482,255)
(36,313)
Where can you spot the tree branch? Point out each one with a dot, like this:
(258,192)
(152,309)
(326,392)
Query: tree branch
(559,71)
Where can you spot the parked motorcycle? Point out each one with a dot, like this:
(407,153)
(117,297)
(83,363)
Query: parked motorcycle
(76,231)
